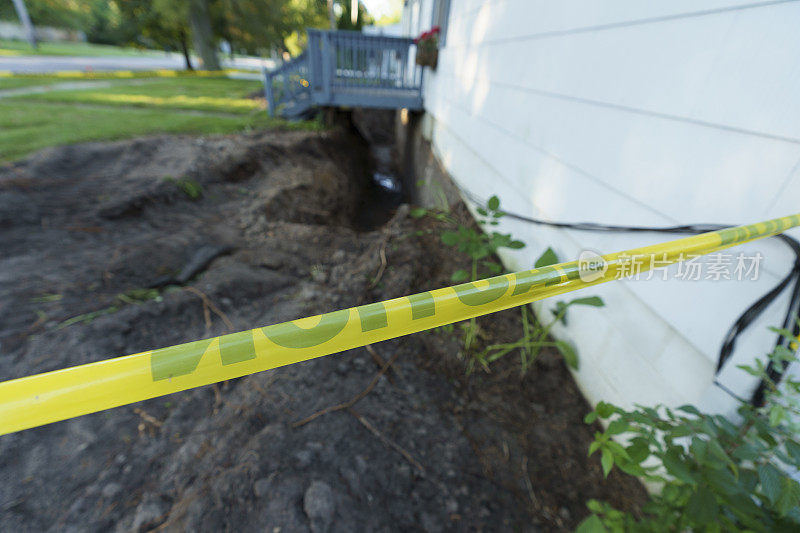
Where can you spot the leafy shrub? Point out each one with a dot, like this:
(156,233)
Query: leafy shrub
(714,475)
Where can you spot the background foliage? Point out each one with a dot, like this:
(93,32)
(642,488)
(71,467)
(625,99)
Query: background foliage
(250,26)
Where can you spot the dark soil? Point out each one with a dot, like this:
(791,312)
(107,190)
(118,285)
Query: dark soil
(84,230)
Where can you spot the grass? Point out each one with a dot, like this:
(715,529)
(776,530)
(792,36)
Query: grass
(172,103)
(26,126)
(12,80)
(13,48)
(203,94)
(27,81)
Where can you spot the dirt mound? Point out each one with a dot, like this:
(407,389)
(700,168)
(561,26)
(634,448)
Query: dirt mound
(115,248)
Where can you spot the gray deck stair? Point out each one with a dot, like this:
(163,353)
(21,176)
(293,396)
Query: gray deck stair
(346,69)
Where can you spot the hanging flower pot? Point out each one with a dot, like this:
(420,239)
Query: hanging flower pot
(428,48)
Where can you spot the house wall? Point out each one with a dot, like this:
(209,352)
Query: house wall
(633,113)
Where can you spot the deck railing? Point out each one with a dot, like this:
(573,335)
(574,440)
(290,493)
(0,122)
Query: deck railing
(288,87)
(346,68)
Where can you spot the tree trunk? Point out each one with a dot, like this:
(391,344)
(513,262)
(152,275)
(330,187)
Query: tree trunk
(185,49)
(202,35)
(25,20)
(331,15)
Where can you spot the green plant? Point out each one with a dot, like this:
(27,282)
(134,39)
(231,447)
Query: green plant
(87,317)
(536,335)
(481,247)
(136,296)
(714,475)
(46,298)
(187,186)
(442,215)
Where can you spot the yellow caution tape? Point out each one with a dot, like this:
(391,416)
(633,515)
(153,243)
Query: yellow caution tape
(43,398)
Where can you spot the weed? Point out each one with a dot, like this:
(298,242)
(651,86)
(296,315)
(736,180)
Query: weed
(317,273)
(536,336)
(189,187)
(441,216)
(136,296)
(87,317)
(482,247)
(46,298)
(133,296)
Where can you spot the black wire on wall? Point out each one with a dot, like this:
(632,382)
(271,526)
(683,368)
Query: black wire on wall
(745,319)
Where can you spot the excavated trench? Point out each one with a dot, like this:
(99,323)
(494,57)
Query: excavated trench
(115,248)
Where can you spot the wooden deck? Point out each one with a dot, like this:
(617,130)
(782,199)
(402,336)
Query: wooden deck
(346,69)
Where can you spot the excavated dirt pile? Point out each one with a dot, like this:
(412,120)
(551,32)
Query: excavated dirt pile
(108,249)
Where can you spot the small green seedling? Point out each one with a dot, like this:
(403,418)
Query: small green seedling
(47,298)
(136,296)
(441,216)
(481,246)
(189,187)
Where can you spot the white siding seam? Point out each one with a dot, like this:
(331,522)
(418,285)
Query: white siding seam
(467,147)
(469,12)
(639,111)
(624,24)
(564,234)
(782,187)
(565,164)
(556,158)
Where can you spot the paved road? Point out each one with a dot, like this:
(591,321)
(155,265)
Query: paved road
(145,62)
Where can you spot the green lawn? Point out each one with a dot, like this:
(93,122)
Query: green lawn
(27,127)
(26,81)
(205,105)
(8,47)
(10,80)
(204,94)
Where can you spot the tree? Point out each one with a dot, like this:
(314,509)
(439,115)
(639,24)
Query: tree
(169,23)
(264,26)
(25,20)
(202,34)
(350,20)
(250,26)
(57,13)
(158,24)
(331,14)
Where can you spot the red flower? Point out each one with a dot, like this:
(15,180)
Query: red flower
(431,34)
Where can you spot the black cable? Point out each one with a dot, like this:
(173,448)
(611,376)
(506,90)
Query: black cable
(744,320)
(775,374)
